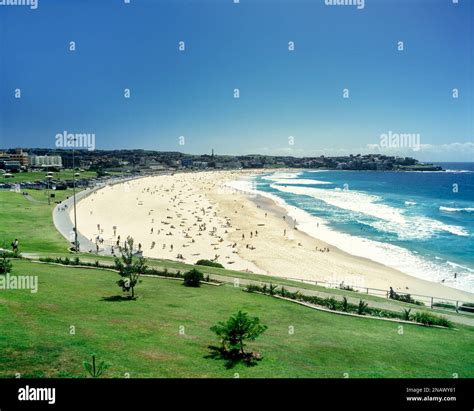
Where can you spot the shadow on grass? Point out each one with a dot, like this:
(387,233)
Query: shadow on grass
(118,298)
(232,358)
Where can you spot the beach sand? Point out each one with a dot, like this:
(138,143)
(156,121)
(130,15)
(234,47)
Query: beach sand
(197,216)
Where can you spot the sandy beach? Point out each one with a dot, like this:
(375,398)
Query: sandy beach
(191,216)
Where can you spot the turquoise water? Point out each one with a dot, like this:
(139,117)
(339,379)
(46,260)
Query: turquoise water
(419,222)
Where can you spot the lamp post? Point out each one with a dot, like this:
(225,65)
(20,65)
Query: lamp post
(48,178)
(76,244)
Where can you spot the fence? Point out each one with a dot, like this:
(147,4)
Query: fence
(427,300)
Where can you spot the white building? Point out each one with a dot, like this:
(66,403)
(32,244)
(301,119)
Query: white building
(45,161)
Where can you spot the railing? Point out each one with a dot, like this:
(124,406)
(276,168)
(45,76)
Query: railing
(427,300)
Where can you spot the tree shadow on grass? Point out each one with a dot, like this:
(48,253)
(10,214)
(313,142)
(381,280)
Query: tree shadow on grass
(118,298)
(232,358)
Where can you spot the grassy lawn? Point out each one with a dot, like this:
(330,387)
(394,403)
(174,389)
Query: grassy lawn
(142,337)
(31,222)
(31,176)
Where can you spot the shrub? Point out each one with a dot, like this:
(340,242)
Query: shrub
(5,263)
(345,305)
(332,303)
(445,305)
(252,288)
(209,263)
(94,370)
(346,287)
(406,298)
(429,319)
(469,307)
(406,314)
(362,307)
(236,330)
(193,278)
(272,288)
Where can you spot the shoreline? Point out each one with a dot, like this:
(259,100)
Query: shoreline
(245,232)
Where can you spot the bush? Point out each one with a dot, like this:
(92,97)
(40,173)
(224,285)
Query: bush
(193,278)
(332,303)
(445,305)
(362,307)
(468,307)
(238,329)
(406,314)
(406,298)
(429,319)
(209,263)
(346,287)
(253,288)
(345,305)
(5,263)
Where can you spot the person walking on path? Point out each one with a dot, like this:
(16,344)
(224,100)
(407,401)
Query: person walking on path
(15,245)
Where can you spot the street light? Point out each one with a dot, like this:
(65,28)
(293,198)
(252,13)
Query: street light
(48,178)
(76,244)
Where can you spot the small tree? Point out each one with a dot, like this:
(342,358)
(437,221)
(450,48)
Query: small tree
(193,278)
(236,330)
(5,264)
(129,267)
(94,370)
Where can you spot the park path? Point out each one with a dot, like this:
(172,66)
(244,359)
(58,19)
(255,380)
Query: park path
(63,223)
(385,305)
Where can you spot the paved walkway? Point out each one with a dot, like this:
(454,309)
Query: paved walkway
(63,223)
(386,305)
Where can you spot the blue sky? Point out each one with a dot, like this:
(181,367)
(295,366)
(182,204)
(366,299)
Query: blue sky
(242,46)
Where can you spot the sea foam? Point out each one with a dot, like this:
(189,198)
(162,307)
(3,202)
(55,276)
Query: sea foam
(390,255)
(390,219)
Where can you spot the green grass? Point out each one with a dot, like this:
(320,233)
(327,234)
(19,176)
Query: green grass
(32,176)
(142,337)
(30,222)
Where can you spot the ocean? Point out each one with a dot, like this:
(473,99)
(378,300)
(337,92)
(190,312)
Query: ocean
(421,223)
